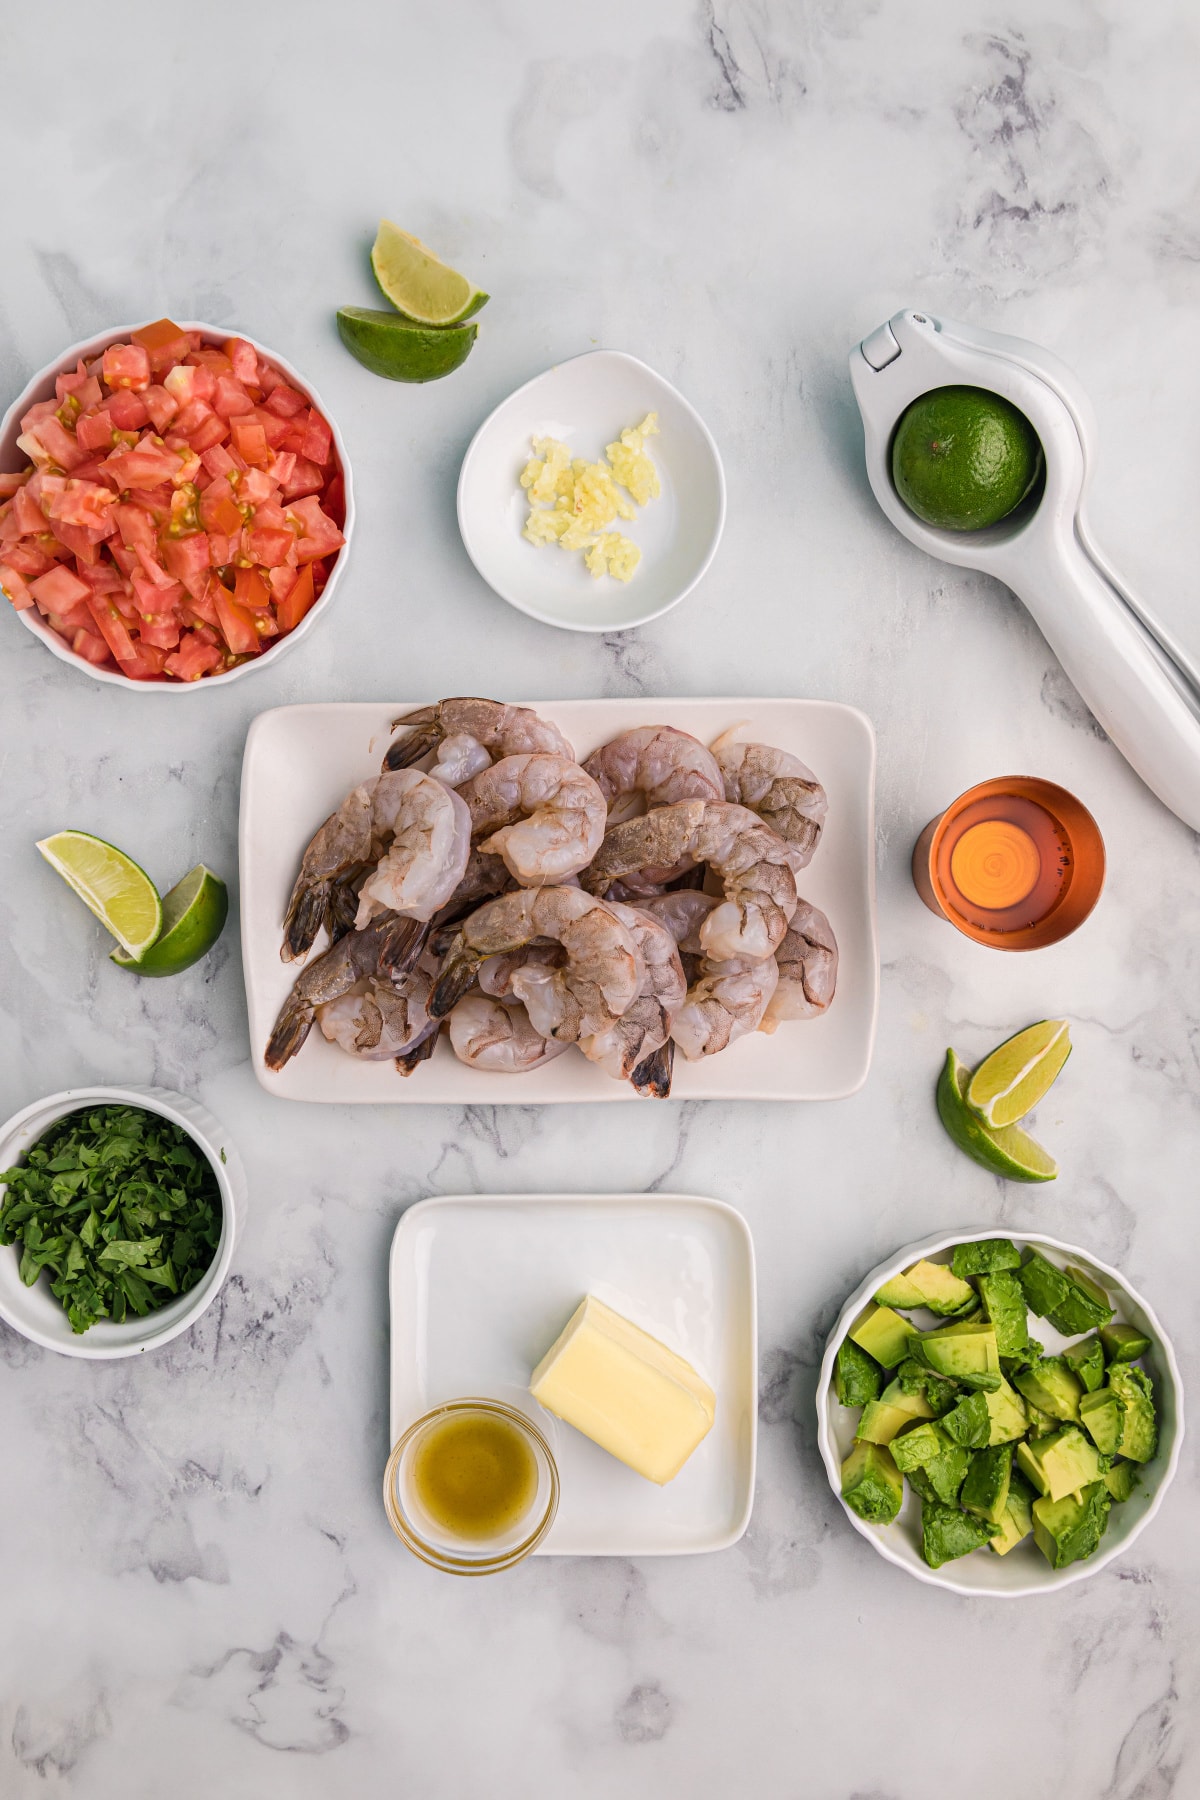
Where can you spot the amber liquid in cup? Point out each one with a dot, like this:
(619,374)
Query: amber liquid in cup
(1015,863)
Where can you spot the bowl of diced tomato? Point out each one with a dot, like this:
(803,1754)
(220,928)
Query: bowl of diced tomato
(175,506)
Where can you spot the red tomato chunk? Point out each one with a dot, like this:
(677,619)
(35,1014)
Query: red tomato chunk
(180,509)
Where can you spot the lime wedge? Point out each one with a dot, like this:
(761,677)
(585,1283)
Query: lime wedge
(1006,1150)
(417,283)
(400,351)
(193,918)
(121,895)
(1010,1082)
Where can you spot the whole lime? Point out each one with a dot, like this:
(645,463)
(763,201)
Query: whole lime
(963,458)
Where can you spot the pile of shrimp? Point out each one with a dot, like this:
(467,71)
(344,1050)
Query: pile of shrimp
(488,885)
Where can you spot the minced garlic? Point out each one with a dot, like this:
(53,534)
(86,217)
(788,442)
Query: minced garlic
(576,500)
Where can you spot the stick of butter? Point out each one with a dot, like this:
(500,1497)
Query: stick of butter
(625,1390)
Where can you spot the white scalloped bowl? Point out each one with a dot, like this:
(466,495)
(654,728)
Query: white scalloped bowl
(1024,1570)
(34,1311)
(41,387)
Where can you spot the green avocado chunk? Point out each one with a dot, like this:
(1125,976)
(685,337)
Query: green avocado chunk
(1060,1464)
(1123,1343)
(923,1444)
(915,1378)
(894,1409)
(1139,1424)
(1052,1387)
(1017,1522)
(1121,1480)
(1024,1358)
(857,1377)
(872,1485)
(1086,1358)
(1068,1530)
(1100,1416)
(970,1422)
(931,1285)
(899,1291)
(985,1490)
(947,1533)
(883,1334)
(1004,1305)
(964,1352)
(1068,1298)
(985,1255)
(1008,1413)
(935,1466)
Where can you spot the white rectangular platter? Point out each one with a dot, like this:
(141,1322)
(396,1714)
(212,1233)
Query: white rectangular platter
(301,762)
(481,1285)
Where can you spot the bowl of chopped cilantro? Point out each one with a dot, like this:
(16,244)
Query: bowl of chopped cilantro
(118,1218)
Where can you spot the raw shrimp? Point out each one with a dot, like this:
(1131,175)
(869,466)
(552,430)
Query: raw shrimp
(599,981)
(495,975)
(645,1026)
(808,964)
(337,849)
(488,1033)
(378,1020)
(387,949)
(653,765)
(541,813)
(468,734)
(726,1003)
(428,831)
(750,860)
(777,786)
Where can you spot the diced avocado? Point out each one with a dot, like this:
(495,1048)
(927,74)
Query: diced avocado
(934,1465)
(1024,1359)
(1052,1387)
(1041,1424)
(1004,1305)
(1070,1299)
(1067,1530)
(857,1377)
(1100,1416)
(1062,1463)
(970,1423)
(872,1485)
(1087,1359)
(1121,1480)
(942,1291)
(915,1378)
(893,1410)
(947,1533)
(923,1444)
(884,1335)
(985,1490)
(1139,1425)
(985,1255)
(1017,1522)
(1123,1343)
(965,1352)
(1008,1413)
(899,1291)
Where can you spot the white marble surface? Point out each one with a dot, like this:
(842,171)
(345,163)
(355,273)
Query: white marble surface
(201,1593)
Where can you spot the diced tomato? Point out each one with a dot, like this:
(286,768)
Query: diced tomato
(186,559)
(151,597)
(15,587)
(274,430)
(220,548)
(78,539)
(218,461)
(84,503)
(193,658)
(94,430)
(292,608)
(58,590)
(93,649)
(126,366)
(75,618)
(163,342)
(127,411)
(236,622)
(306,478)
(81,388)
(333,500)
(102,577)
(12,484)
(284,401)
(250,441)
(203,606)
(144,467)
(231,398)
(215,361)
(269,546)
(58,445)
(244,359)
(161,405)
(209,432)
(160,629)
(318,439)
(146,663)
(218,509)
(112,628)
(250,590)
(27,513)
(317,535)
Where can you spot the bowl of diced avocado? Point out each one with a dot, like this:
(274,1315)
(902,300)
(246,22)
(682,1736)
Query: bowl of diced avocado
(999,1416)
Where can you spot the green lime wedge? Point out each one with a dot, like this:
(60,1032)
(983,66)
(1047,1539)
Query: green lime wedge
(418,283)
(1005,1150)
(121,895)
(1010,1082)
(193,918)
(400,351)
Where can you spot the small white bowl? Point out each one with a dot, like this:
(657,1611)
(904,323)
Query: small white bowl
(35,1312)
(586,402)
(1024,1570)
(41,387)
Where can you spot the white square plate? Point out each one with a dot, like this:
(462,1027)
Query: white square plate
(481,1285)
(301,762)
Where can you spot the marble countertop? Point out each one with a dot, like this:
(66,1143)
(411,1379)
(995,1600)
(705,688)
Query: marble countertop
(201,1592)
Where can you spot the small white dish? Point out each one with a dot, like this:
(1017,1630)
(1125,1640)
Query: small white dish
(481,1285)
(35,1312)
(302,761)
(1024,1570)
(41,387)
(587,402)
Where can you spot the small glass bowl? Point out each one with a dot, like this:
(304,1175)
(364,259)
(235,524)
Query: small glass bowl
(454,1555)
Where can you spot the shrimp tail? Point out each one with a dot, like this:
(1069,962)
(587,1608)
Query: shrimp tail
(400,947)
(423,735)
(455,977)
(652,1076)
(305,916)
(291,1028)
(417,1053)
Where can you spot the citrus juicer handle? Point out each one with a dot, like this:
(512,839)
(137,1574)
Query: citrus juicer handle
(1144,696)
